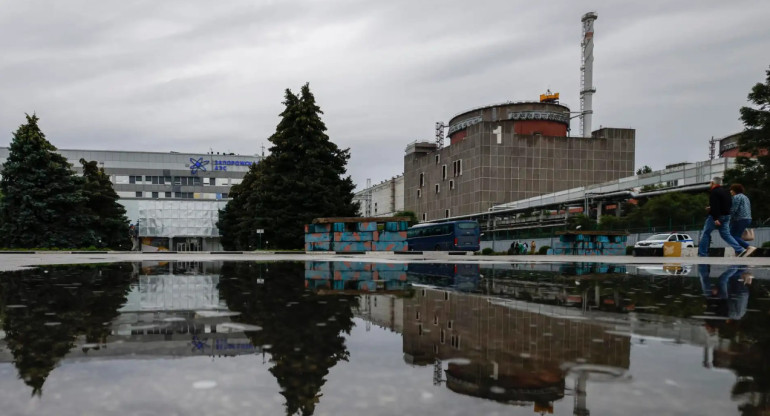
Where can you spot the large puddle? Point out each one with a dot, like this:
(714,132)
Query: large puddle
(356,338)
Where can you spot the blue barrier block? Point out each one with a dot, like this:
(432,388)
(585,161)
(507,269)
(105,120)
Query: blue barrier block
(389,246)
(352,266)
(391,236)
(318,275)
(401,267)
(367,226)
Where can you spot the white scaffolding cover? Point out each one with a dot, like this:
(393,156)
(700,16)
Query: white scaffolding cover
(179,218)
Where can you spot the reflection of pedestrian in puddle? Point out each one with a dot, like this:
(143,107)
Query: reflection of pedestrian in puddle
(729,297)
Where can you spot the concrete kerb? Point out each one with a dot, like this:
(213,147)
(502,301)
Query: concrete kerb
(14,261)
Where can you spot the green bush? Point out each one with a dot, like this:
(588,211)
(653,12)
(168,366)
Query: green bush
(766,244)
(629,250)
(487,251)
(543,250)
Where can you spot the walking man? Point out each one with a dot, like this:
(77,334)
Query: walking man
(720,203)
(133,234)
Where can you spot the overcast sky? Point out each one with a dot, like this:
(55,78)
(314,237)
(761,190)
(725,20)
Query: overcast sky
(197,75)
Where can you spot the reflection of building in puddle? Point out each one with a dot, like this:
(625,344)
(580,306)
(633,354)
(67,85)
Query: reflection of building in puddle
(168,286)
(174,309)
(463,277)
(502,350)
(353,277)
(385,311)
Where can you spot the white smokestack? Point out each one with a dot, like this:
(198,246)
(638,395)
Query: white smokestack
(587,89)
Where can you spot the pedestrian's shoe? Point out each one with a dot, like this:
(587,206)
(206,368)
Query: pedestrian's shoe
(742,253)
(749,251)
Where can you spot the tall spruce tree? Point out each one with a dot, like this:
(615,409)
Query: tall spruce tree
(43,203)
(754,173)
(301,179)
(109,217)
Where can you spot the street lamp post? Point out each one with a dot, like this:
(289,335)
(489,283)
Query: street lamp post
(260,231)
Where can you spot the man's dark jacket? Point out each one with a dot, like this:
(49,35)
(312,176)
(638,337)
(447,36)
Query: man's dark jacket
(720,202)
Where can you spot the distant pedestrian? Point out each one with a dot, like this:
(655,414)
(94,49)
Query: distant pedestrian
(532,247)
(720,203)
(740,217)
(524,248)
(133,234)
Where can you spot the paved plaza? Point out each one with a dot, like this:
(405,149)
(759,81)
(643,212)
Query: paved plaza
(16,261)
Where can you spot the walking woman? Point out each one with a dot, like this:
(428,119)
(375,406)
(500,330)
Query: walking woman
(740,217)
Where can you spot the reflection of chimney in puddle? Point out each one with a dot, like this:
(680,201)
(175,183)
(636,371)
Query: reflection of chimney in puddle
(581,408)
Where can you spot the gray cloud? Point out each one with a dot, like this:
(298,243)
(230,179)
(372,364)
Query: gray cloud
(195,75)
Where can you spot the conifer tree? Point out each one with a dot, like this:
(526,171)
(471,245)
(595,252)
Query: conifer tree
(43,198)
(302,179)
(109,220)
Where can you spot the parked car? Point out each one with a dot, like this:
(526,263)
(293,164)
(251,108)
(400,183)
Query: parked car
(657,240)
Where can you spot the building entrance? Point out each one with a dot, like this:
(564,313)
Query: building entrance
(189,244)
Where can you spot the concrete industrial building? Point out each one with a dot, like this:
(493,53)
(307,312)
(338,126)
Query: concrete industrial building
(174,197)
(382,200)
(508,152)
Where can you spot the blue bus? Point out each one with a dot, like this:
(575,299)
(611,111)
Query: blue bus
(445,236)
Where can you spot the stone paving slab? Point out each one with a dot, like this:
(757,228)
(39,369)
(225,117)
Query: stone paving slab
(15,261)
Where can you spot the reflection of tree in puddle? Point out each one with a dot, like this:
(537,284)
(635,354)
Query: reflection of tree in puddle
(45,309)
(304,330)
(740,323)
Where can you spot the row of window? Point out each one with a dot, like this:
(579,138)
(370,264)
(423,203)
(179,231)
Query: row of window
(175,180)
(457,170)
(183,195)
(438,188)
(447,214)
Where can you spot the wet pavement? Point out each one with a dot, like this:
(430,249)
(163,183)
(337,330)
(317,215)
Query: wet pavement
(352,337)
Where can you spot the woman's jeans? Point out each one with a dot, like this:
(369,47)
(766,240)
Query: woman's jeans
(724,232)
(736,230)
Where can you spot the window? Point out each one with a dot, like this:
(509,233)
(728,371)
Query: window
(225,195)
(177,180)
(438,188)
(438,159)
(425,216)
(449,324)
(419,193)
(419,329)
(168,194)
(213,181)
(459,167)
(435,319)
(417,315)
(155,180)
(446,213)
(375,207)
(455,341)
(451,184)
(422,179)
(167,179)
(138,194)
(442,336)
(155,195)
(132,179)
(443,172)
(148,179)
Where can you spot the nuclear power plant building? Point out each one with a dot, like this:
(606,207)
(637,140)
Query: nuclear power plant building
(508,152)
